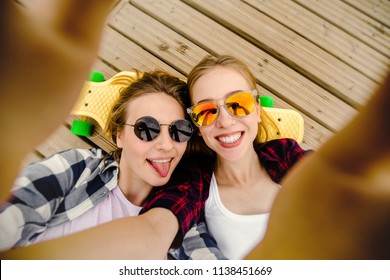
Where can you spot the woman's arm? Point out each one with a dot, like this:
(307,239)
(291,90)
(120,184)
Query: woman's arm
(45,191)
(147,236)
(46,54)
(198,244)
(336,203)
(39,192)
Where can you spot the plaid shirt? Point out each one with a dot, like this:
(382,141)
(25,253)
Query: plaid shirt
(277,157)
(65,185)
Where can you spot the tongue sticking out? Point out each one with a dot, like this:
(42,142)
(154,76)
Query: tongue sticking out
(162,167)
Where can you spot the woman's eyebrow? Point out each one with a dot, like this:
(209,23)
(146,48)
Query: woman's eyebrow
(227,94)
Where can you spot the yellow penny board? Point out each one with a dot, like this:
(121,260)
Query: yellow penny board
(289,122)
(96,98)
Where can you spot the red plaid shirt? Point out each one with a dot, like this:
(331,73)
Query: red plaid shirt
(186,193)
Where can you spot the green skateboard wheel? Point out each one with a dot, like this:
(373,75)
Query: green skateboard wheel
(267,101)
(81,128)
(96,76)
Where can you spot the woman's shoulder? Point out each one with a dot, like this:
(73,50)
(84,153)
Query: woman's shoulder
(281,150)
(78,155)
(278,156)
(279,146)
(71,160)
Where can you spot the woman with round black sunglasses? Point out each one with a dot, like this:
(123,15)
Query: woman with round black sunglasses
(77,190)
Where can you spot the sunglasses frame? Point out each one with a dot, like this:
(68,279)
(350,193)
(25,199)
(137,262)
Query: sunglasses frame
(171,133)
(218,105)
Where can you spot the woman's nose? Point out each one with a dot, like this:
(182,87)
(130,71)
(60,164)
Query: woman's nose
(224,119)
(164,140)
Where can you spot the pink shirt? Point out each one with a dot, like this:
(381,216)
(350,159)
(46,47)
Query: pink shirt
(113,206)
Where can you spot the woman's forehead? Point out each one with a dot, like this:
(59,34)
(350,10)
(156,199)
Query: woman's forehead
(217,83)
(159,105)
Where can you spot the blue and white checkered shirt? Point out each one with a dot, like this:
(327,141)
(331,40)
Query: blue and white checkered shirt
(64,186)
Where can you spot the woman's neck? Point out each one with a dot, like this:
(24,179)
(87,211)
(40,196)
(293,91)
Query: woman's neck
(237,173)
(135,190)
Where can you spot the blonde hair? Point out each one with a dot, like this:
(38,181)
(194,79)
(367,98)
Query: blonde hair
(140,84)
(209,63)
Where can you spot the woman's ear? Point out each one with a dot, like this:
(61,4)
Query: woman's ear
(258,112)
(119,138)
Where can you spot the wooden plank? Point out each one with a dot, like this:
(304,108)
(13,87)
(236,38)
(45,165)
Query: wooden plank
(276,77)
(316,133)
(376,9)
(61,140)
(124,54)
(327,36)
(103,68)
(98,137)
(290,48)
(157,39)
(352,21)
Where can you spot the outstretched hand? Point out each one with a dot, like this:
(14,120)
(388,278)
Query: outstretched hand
(336,203)
(46,53)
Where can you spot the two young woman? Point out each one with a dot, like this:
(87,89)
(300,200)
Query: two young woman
(244,173)
(344,185)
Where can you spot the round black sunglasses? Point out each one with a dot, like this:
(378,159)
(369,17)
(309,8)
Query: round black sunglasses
(148,128)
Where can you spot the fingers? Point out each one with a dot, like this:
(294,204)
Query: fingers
(82,20)
(46,52)
(363,144)
(79,21)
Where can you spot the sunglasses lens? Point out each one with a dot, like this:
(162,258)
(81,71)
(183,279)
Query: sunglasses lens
(204,114)
(146,128)
(241,104)
(181,130)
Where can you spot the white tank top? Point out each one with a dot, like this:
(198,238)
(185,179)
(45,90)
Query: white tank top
(236,235)
(114,206)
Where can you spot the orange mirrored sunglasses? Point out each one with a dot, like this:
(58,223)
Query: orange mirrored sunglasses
(238,104)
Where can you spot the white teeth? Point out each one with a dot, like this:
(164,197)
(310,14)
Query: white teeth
(230,139)
(159,160)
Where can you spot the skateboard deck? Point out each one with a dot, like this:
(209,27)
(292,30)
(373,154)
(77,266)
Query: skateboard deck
(289,122)
(96,98)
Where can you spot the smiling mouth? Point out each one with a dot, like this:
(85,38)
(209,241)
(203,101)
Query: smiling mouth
(161,166)
(230,139)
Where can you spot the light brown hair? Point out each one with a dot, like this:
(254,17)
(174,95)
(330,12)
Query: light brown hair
(139,85)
